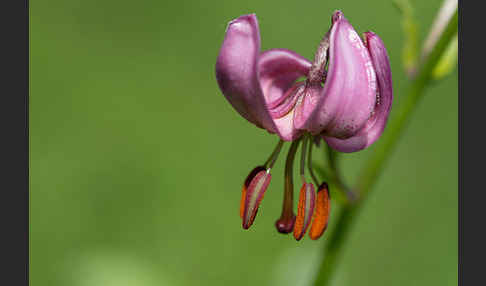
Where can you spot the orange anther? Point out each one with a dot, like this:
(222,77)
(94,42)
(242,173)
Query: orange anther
(304,210)
(321,214)
(242,202)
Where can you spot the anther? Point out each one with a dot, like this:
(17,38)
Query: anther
(306,199)
(321,213)
(305,210)
(254,195)
(254,187)
(247,182)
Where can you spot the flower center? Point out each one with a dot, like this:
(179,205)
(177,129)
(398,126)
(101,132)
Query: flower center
(286,103)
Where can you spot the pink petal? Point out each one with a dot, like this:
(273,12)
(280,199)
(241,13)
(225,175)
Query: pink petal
(254,82)
(376,124)
(236,71)
(278,70)
(349,92)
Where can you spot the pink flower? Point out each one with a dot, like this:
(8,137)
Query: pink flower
(345,99)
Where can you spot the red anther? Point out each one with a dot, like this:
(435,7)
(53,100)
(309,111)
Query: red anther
(246,183)
(254,195)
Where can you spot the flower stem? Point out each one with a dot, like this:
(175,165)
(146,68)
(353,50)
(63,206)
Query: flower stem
(375,164)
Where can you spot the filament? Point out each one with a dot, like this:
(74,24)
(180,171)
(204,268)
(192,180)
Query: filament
(303,157)
(309,165)
(273,157)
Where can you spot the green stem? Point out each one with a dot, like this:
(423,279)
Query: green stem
(334,245)
(375,164)
(395,128)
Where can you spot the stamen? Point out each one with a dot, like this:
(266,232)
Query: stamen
(290,99)
(321,214)
(303,157)
(309,164)
(273,158)
(246,183)
(254,196)
(285,223)
(255,186)
(305,210)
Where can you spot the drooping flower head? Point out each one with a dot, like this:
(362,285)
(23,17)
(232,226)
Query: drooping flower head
(345,99)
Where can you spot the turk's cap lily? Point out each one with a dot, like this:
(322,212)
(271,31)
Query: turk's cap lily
(345,99)
(348,104)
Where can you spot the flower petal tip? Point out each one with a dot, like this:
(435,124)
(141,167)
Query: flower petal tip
(336,16)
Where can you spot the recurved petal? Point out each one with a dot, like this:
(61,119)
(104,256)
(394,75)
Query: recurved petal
(376,124)
(349,92)
(236,71)
(278,69)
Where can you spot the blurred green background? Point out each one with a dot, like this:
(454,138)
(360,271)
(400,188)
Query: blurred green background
(137,159)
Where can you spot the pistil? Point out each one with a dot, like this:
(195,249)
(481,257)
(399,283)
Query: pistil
(285,223)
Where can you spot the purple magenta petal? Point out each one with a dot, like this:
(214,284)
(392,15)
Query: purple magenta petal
(376,124)
(349,92)
(236,71)
(278,70)
(254,82)
(287,102)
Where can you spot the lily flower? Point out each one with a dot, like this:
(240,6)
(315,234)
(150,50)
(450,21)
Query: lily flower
(345,99)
